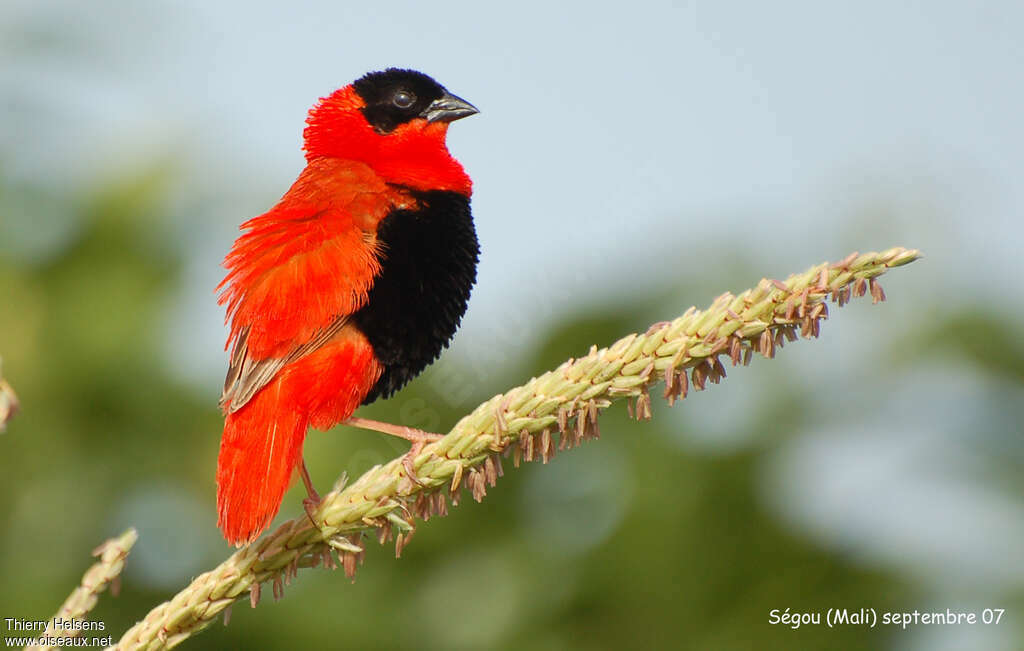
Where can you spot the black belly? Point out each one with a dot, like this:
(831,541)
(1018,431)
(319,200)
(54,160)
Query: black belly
(428,267)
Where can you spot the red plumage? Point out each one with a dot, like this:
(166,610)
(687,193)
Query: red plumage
(262,443)
(294,279)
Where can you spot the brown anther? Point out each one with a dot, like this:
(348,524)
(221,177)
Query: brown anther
(766,344)
(546,449)
(719,346)
(419,507)
(790,308)
(860,287)
(254,594)
(278,587)
(286,574)
(877,293)
(719,370)
(646,401)
(580,430)
(563,420)
(490,472)
(479,485)
(348,561)
(671,398)
(735,349)
(698,375)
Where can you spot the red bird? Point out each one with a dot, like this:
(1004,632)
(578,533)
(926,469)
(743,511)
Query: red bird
(346,289)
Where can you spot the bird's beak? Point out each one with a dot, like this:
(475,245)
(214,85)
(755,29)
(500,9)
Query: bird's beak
(448,108)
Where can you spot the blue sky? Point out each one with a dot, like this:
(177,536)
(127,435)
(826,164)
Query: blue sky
(614,138)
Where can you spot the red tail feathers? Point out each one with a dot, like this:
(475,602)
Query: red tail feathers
(259,452)
(262,443)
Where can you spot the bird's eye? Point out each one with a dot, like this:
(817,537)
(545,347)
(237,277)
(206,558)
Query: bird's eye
(403,99)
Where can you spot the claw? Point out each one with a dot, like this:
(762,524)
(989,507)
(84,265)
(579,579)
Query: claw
(407,460)
(311,503)
(417,437)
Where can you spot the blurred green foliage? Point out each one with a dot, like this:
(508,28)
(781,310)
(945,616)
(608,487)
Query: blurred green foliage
(634,541)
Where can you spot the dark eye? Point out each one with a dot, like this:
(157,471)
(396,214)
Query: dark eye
(403,99)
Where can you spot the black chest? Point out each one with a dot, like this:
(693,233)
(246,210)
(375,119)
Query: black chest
(428,267)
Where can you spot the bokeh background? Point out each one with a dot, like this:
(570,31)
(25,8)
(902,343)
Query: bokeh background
(631,159)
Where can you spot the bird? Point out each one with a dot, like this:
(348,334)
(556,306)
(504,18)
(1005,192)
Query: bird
(346,289)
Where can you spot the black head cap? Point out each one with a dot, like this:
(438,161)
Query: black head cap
(395,96)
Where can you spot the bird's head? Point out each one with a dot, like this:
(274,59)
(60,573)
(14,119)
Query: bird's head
(396,122)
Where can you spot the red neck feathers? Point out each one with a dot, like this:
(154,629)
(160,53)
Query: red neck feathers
(413,155)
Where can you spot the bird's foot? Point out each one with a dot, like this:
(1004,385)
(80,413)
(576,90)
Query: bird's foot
(417,437)
(312,501)
(311,504)
(414,452)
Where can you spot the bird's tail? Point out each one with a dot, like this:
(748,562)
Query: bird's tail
(259,453)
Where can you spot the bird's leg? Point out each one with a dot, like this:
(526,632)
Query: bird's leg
(313,500)
(417,437)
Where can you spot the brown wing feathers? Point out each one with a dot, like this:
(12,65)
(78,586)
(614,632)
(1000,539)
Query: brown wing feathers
(246,376)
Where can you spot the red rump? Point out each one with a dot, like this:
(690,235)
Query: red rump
(262,443)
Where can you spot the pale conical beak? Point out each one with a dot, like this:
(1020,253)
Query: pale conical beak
(448,108)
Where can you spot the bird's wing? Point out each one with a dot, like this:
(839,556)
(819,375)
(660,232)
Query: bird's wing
(299,271)
(247,375)
(287,295)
